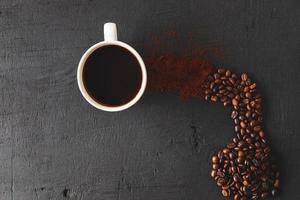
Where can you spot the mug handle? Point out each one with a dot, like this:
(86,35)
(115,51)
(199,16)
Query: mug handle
(110,32)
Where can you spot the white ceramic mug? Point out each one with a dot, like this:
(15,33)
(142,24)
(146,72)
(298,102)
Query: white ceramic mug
(110,38)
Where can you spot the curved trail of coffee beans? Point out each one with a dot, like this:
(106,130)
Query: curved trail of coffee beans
(243,169)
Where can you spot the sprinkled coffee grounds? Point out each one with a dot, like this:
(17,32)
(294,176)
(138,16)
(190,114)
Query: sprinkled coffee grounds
(243,169)
(185,75)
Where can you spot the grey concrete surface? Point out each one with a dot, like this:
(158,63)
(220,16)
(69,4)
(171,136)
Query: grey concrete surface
(53,145)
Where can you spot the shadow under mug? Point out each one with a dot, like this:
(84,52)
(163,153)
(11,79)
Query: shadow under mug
(110,38)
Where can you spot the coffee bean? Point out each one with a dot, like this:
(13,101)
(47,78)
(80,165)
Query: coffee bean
(248,94)
(242,124)
(215,89)
(218,81)
(221,174)
(245,101)
(226,151)
(248,140)
(235,140)
(241,154)
(214,98)
(228,73)
(221,71)
(215,159)
(246,183)
(234,114)
(253,115)
(221,182)
(213,173)
(241,144)
(232,81)
(276,183)
(207,97)
(252,104)
(240,159)
(241,117)
(236,128)
(230,146)
(215,166)
(248,114)
(226,103)
(244,77)
(257,128)
(216,76)
(236,121)
(243,198)
(234,102)
(252,86)
(225,193)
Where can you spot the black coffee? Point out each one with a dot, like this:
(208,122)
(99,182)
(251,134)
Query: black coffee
(112,75)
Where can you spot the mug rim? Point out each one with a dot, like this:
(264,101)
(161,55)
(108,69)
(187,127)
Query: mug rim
(83,90)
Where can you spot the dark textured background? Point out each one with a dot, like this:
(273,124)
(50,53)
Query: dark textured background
(51,139)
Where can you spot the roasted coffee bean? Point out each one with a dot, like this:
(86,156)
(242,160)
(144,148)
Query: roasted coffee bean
(242,131)
(215,166)
(230,146)
(214,98)
(207,97)
(236,121)
(257,128)
(215,89)
(221,71)
(242,124)
(253,123)
(218,81)
(216,76)
(226,151)
(215,159)
(241,144)
(248,114)
(240,159)
(236,197)
(244,77)
(235,140)
(252,104)
(274,192)
(248,94)
(245,101)
(241,154)
(213,173)
(232,81)
(234,102)
(228,73)
(276,183)
(221,182)
(225,193)
(234,114)
(243,198)
(241,117)
(237,128)
(248,140)
(252,86)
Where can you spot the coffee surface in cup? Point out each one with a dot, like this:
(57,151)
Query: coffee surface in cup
(112,75)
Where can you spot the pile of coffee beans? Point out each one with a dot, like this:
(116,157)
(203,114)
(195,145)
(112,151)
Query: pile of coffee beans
(243,169)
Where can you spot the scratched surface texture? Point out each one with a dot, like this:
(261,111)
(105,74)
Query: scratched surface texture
(53,145)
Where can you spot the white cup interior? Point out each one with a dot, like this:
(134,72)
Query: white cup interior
(84,91)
